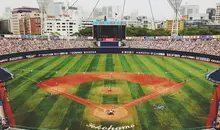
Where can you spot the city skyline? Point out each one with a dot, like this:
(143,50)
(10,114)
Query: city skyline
(161,8)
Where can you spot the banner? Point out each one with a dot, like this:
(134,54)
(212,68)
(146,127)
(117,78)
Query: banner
(137,38)
(186,37)
(162,37)
(216,36)
(206,37)
(149,38)
(178,54)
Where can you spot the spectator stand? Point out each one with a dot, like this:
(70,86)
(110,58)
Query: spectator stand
(6,116)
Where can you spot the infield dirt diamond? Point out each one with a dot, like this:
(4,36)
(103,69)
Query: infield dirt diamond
(60,85)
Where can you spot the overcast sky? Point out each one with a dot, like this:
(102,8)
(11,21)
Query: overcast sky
(161,8)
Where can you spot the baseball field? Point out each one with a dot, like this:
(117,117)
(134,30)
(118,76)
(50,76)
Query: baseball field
(147,92)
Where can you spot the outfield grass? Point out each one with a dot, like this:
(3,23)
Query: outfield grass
(185,108)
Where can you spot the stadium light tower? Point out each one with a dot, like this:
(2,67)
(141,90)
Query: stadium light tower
(175,4)
(43,4)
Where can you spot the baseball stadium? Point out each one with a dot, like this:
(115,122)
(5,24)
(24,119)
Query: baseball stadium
(77,92)
(110,81)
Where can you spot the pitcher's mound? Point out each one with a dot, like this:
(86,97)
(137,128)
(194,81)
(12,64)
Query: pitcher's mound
(114,90)
(118,112)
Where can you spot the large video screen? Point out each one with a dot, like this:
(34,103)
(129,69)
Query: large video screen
(109,31)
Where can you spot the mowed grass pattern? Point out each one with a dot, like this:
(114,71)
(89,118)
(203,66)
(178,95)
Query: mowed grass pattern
(36,108)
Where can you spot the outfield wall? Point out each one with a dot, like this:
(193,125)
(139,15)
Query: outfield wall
(177,54)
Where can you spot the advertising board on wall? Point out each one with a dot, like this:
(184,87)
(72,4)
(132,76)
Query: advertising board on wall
(177,54)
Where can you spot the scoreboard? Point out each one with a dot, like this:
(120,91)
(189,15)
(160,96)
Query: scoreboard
(109,31)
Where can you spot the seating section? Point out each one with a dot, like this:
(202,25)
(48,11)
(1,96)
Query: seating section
(211,47)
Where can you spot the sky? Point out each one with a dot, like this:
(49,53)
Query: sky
(161,8)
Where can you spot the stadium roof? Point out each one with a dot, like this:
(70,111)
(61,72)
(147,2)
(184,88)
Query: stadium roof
(5,75)
(214,76)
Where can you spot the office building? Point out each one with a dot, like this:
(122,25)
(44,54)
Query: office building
(111,13)
(139,21)
(25,20)
(192,12)
(64,25)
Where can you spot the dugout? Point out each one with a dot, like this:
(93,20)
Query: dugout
(214,76)
(5,75)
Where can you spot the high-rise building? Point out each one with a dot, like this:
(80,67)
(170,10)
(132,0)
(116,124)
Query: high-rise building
(58,8)
(7,13)
(111,13)
(24,20)
(217,17)
(139,21)
(191,12)
(5,27)
(211,12)
(51,8)
(64,25)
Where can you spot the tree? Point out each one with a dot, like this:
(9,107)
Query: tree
(76,34)
(55,34)
(84,32)
(199,31)
(139,31)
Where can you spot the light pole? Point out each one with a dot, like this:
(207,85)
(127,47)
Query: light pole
(175,4)
(43,5)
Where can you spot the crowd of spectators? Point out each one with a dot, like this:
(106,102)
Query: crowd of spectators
(9,46)
(212,47)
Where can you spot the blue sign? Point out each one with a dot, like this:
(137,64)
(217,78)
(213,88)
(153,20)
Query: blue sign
(206,37)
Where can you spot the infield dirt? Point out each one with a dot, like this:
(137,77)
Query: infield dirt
(60,85)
